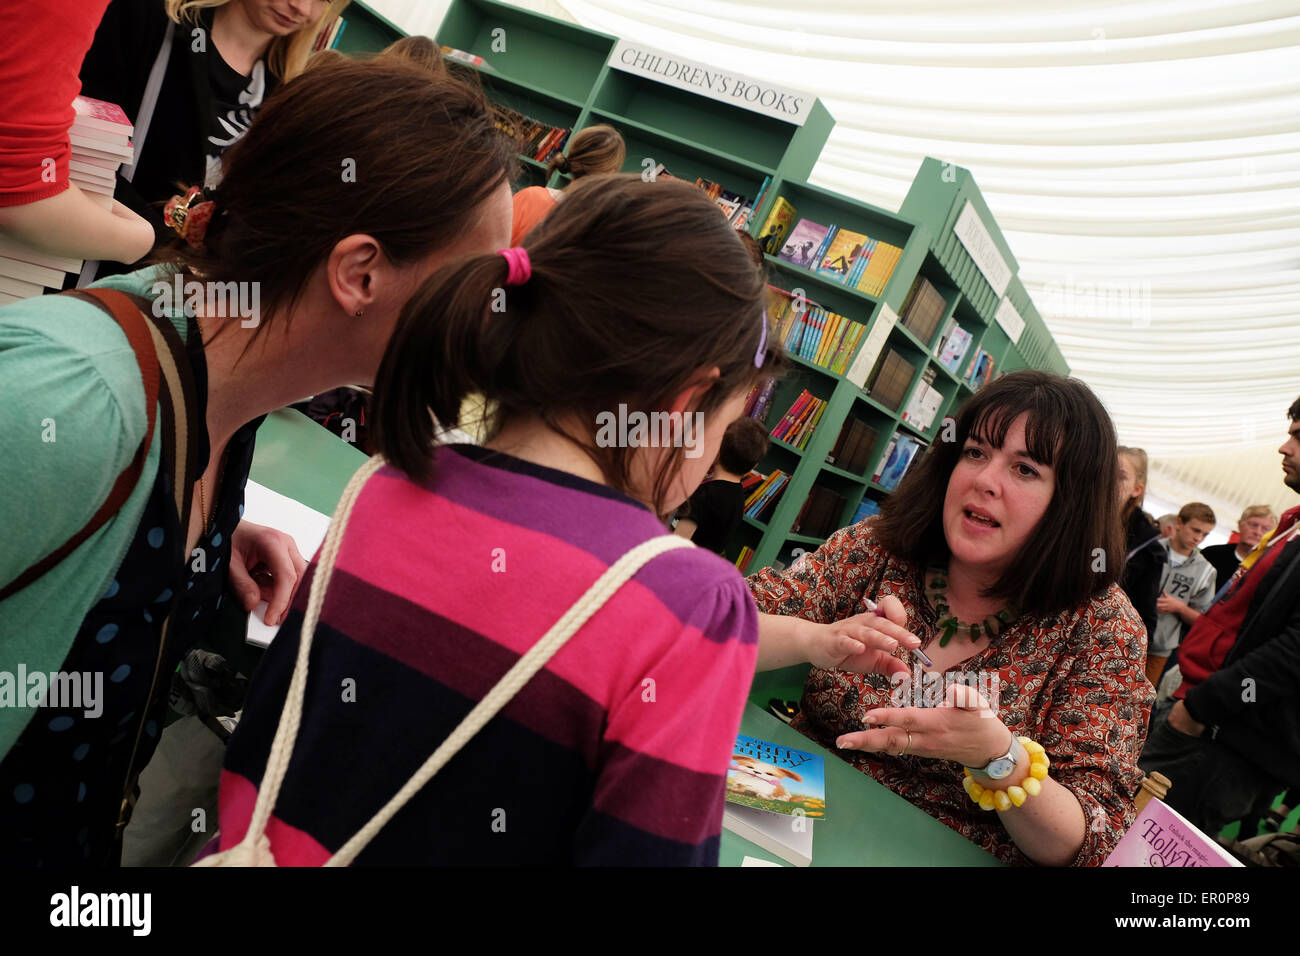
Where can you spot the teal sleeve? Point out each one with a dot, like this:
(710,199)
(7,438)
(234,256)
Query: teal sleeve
(73,417)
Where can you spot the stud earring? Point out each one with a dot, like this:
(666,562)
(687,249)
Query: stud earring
(358,313)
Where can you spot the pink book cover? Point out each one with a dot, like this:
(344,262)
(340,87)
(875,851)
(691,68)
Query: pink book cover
(1160,836)
(98,115)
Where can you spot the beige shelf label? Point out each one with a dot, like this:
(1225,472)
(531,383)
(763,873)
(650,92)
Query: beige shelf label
(1011,321)
(872,346)
(970,229)
(726,86)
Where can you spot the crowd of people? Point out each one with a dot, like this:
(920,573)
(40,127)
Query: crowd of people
(546,547)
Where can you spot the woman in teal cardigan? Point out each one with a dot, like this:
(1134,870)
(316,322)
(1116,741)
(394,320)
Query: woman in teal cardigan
(354,184)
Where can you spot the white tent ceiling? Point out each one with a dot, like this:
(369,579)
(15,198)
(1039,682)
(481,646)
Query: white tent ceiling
(1142,158)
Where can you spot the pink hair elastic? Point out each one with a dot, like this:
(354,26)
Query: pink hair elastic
(520,268)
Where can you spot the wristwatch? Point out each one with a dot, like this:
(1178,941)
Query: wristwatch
(1000,767)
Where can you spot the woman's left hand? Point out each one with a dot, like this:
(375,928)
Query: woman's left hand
(963,728)
(252,545)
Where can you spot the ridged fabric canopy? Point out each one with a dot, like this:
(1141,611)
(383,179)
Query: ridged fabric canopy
(1142,158)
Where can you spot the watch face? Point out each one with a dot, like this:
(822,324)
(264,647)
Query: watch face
(1000,768)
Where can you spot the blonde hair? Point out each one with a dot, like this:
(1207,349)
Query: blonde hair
(286,57)
(1258,511)
(1138,459)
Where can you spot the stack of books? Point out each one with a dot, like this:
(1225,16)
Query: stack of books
(838,254)
(765,494)
(892,377)
(896,460)
(797,425)
(954,342)
(821,513)
(824,338)
(852,449)
(534,139)
(101,143)
(774,795)
(923,309)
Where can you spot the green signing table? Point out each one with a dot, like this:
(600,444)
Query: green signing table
(866,825)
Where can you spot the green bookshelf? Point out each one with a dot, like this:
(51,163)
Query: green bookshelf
(566,75)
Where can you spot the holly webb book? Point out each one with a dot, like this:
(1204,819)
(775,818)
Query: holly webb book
(1161,836)
(774,794)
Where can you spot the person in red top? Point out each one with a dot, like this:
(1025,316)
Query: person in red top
(39,205)
(1229,738)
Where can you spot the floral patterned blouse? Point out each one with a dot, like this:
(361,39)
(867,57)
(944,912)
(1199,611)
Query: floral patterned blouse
(1073,682)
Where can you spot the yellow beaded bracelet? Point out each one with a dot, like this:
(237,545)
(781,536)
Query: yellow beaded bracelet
(991,799)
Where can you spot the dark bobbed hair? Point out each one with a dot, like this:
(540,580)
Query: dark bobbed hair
(425,150)
(1293,413)
(743,444)
(636,287)
(1069,430)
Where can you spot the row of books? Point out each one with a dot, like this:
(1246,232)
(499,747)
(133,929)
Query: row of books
(820,514)
(869,507)
(853,258)
(925,402)
(101,143)
(853,447)
(533,138)
(953,345)
(923,309)
(328,39)
(737,208)
(742,560)
(765,492)
(891,378)
(826,339)
(894,463)
(797,425)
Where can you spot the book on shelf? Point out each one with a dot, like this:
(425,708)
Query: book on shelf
(1163,837)
(953,346)
(759,399)
(826,339)
(797,425)
(980,370)
(923,309)
(868,508)
(805,245)
(328,38)
(765,494)
(777,226)
(893,376)
(742,560)
(844,246)
(821,512)
(897,459)
(774,794)
(472,59)
(923,407)
(853,446)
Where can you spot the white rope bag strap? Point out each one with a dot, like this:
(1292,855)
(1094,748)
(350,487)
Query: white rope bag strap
(254,849)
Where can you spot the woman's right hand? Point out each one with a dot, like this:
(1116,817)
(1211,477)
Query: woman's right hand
(864,643)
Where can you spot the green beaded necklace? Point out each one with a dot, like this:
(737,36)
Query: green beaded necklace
(937,591)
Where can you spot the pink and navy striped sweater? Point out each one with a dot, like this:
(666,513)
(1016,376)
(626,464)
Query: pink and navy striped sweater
(615,753)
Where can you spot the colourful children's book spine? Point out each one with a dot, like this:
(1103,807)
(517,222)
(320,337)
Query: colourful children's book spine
(816,259)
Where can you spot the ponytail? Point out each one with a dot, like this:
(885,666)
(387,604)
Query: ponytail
(435,359)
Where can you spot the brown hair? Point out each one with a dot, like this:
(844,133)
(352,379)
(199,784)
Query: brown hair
(1138,458)
(418,50)
(635,288)
(743,444)
(287,56)
(1196,511)
(1069,430)
(594,150)
(379,147)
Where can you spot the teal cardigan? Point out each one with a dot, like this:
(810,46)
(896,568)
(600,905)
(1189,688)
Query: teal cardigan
(71,417)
